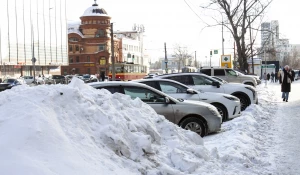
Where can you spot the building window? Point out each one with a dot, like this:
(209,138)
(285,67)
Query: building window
(101,47)
(77,59)
(70,48)
(88,70)
(71,59)
(77,48)
(73,39)
(100,33)
(88,59)
(102,61)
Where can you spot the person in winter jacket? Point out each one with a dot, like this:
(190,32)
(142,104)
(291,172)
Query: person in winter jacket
(285,81)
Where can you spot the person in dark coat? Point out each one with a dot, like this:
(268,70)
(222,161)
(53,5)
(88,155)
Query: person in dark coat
(276,77)
(268,76)
(293,74)
(272,77)
(285,81)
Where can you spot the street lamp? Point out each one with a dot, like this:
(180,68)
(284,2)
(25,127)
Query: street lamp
(113,71)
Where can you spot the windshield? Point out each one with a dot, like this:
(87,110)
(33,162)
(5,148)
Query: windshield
(214,79)
(86,76)
(219,79)
(10,81)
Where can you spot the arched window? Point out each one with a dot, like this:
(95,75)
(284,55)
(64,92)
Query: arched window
(100,33)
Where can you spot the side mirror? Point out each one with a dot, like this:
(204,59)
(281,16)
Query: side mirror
(215,83)
(167,100)
(191,91)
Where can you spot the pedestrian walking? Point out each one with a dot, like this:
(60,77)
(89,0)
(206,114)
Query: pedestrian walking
(278,75)
(285,81)
(268,76)
(265,76)
(275,75)
(272,77)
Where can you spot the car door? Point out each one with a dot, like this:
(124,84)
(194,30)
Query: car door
(155,100)
(205,84)
(232,76)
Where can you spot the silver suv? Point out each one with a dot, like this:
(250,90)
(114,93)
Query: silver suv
(229,75)
(200,117)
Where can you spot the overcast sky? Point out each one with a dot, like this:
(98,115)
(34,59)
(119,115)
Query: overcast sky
(173,21)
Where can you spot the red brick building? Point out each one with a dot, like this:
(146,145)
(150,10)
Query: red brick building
(89,44)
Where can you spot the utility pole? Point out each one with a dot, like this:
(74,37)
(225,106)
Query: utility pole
(222,37)
(166,58)
(113,71)
(251,46)
(195,59)
(234,55)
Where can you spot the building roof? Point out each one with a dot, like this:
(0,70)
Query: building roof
(95,10)
(74,28)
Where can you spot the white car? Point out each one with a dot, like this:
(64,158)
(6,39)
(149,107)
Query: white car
(201,82)
(28,79)
(228,106)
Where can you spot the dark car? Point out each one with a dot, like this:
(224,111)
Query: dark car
(9,83)
(55,79)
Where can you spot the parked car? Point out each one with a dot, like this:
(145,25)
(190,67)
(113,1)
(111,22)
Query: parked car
(201,82)
(9,83)
(28,79)
(87,78)
(55,79)
(258,81)
(228,106)
(229,75)
(199,117)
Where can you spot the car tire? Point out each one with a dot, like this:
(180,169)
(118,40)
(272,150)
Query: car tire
(244,101)
(194,124)
(222,110)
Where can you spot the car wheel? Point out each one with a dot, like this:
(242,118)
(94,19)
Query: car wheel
(194,124)
(222,110)
(244,101)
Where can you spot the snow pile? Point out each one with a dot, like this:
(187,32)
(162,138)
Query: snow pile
(75,129)
(243,143)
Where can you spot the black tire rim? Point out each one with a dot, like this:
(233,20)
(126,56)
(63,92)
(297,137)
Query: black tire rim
(244,103)
(195,127)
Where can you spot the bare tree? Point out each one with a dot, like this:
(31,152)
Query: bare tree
(241,15)
(181,54)
(293,60)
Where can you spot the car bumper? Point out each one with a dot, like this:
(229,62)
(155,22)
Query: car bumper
(235,112)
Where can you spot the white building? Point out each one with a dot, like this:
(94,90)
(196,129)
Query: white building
(132,43)
(32,29)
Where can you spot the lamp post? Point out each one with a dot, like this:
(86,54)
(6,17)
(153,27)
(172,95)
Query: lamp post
(113,71)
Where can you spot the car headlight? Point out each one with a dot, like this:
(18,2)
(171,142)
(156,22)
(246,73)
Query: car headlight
(231,98)
(214,111)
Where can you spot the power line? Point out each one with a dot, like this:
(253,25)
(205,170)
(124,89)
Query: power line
(195,12)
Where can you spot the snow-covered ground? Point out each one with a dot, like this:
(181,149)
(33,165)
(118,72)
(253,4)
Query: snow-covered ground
(75,129)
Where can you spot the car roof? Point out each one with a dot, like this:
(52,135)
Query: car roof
(165,80)
(128,83)
(175,74)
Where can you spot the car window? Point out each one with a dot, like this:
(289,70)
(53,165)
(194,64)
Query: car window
(231,72)
(184,79)
(144,94)
(171,88)
(151,83)
(111,89)
(206,71)
(219,72)
(201,80)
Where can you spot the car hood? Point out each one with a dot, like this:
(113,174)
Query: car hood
(252,76)
(198,103)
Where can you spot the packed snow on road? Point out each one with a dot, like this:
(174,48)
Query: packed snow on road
(75,129)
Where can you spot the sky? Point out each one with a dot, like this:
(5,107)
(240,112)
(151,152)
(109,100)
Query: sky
(76,129)
(173,22)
